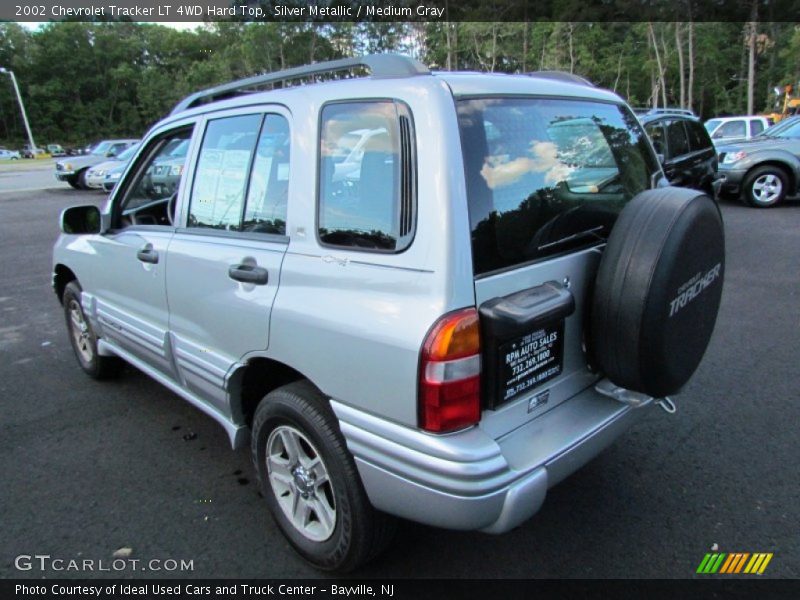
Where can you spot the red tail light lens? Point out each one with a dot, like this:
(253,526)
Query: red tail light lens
(449,373)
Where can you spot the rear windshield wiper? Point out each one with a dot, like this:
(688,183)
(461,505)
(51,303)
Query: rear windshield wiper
(593,232)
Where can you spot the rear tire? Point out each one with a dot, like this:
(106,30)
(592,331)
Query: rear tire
(765,187)
(310,481)
(84,340)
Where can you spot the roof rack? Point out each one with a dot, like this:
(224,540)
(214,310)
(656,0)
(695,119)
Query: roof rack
(380,65)
(561,76)
(644,110)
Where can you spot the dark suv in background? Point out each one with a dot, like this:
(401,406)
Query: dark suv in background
(685,148)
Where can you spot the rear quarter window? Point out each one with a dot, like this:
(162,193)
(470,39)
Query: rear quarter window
(367,176)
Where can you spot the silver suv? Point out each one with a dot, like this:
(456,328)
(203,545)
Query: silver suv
(421,295)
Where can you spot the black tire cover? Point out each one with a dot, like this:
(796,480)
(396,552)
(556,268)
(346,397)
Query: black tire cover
(658,290)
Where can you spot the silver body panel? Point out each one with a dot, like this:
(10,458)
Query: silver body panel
(353,322)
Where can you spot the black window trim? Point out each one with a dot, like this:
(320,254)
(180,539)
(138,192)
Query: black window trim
(402,110)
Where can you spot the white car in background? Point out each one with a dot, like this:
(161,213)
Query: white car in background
(9,154)
(728,129)
(96,176)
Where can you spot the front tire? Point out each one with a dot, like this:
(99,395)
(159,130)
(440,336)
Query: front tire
(84,340)
(81,179)
(765,187)
(310,482)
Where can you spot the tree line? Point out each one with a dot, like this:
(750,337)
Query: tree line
(87,80)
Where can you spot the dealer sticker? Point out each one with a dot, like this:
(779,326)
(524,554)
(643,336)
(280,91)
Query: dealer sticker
(530,360)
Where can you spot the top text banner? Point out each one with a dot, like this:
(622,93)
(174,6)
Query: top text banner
(400,10)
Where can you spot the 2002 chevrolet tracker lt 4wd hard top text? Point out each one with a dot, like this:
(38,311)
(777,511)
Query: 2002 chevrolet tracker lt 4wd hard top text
(420,295)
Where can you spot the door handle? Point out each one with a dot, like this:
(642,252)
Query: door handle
(148,254)
(248,274)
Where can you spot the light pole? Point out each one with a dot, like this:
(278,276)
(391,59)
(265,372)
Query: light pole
(22,108)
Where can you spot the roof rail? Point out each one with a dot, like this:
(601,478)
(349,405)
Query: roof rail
(643,110)
(561,76)
(380,65)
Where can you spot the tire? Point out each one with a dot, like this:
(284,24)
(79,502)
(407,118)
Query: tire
(84,340)
(73,181)
(334,526)
(81,179)
(765,187)
(658,290)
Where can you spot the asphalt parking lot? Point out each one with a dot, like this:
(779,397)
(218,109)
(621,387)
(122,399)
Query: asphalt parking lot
(89,468)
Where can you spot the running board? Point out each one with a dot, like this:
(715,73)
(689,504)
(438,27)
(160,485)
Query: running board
(239,435)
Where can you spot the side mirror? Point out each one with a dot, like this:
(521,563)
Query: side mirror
(111,153)
(717,135)
(78,220)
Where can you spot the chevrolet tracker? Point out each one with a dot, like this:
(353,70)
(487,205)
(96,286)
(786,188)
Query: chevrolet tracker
(422,295)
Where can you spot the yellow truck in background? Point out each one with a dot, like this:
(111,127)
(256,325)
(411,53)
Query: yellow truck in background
(791,105)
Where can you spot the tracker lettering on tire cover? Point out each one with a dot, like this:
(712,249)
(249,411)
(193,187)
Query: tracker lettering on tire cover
(658,290)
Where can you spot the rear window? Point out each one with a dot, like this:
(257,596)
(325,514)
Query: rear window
(547,176)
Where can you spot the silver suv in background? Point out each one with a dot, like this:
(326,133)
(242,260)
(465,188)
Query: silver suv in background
(417,295)
(95,177)
(74,169)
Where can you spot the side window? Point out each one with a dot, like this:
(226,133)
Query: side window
(677,140)
(731,129)
(146,199)
(655,131)
(267,196)
(756,127)
(116,149)
(367,180)
(220,180)
(698,136)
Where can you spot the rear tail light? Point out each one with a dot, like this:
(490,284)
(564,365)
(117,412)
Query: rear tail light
(449,373)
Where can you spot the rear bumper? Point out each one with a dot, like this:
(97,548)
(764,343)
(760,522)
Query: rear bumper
(468,480)
(65,175)
(730,180)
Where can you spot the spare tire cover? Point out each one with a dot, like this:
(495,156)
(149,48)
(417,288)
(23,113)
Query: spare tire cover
(658,290)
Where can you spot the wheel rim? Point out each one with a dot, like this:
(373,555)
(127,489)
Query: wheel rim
(767,188)
(301,484)
(80,332)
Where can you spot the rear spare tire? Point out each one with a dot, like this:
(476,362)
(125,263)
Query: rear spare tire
(658,290)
